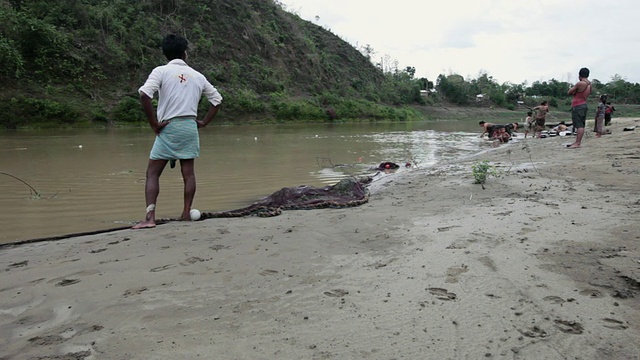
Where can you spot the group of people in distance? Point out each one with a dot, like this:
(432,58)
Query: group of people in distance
(537,124)
(504,133)
(498,133)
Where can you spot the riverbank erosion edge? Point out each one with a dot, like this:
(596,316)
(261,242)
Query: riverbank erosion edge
(540,262)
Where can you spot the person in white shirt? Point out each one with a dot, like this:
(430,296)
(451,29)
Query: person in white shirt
(179,89)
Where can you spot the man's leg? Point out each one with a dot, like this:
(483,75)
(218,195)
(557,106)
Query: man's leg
(579,135)
(579,120)
(151,191)
(189,178)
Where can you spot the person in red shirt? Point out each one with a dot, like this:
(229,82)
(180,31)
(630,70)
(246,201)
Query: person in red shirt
(580,92)
(608,113)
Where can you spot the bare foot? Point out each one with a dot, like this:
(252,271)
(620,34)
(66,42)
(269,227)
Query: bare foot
(573,146)
(146,224)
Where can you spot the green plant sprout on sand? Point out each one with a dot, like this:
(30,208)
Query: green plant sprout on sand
(481,170)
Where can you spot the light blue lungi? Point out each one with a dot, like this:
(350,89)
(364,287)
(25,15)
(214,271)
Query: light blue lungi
(178,140)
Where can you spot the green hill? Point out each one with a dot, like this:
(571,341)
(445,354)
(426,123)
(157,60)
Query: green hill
(80,62)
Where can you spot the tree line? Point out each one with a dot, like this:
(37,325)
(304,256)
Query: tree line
(80,62)
(455,89)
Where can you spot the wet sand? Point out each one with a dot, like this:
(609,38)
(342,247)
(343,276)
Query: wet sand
(541,263)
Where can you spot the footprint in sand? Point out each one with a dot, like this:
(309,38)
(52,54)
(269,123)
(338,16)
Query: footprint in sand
(68,334)
(554,299)
(453,273)
(162,268)
(336,293)
(592,293)
(72,355)
(614,324)
(219,247)
(569,327)
(47,340)
(135,291)
(191,261)
(442,294)
(119,241)
(488,262)
(534,332)
(18,264)
(268,272)
(92,328)
(382,263)
(67,282)
(525,231)
(461,244)
(447,228)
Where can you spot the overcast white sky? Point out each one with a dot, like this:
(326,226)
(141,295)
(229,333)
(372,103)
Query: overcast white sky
(511,40)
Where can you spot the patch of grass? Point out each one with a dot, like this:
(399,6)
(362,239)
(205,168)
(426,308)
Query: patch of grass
(481,170)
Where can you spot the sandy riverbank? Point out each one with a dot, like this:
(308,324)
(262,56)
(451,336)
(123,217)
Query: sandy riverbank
(543,263)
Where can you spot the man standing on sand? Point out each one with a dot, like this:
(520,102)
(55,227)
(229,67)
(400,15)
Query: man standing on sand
(179,90)
(580,92)
(541,117)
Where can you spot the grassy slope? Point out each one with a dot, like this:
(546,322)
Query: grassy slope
(86,59)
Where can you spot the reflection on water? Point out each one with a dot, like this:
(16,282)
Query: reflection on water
(94,179)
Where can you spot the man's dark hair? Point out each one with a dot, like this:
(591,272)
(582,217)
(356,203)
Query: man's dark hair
(529,113)
(584,72)
(544,102)
(174,46)
(481,123)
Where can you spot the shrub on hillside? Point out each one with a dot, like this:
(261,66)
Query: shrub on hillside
(128,110)
(26,111)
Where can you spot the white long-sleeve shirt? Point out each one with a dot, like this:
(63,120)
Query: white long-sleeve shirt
(179,90)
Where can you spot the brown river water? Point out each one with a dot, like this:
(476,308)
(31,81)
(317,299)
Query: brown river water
(93,179)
